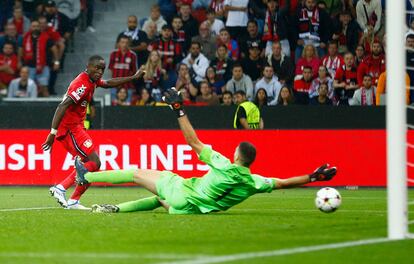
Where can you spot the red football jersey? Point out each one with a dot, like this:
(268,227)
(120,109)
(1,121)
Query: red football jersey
(81,91)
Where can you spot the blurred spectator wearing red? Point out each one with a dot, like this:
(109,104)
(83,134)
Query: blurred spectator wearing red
(333,60)
(309,59)
(222,64)
(21,22)
(373,64)
(8,67)
(345,82)
(301,86)
(231,44)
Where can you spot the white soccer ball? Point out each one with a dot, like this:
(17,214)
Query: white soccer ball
(328,200)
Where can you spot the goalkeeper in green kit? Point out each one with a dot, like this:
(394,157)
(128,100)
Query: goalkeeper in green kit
(225,184)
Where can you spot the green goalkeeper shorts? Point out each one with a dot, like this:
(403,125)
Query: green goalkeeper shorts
(170,188)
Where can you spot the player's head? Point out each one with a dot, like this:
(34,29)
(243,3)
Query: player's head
(245,154)
(95,67)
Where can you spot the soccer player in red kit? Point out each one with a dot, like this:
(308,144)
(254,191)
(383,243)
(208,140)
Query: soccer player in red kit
(68,127)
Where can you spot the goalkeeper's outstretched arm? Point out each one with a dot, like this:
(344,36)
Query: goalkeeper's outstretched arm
(189,134)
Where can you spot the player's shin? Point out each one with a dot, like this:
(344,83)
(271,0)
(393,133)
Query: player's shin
(145,204)
(114,176)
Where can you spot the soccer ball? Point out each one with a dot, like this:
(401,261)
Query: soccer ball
(328,200)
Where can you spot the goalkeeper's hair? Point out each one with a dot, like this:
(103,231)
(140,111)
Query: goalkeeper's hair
(247,153)
(95,59)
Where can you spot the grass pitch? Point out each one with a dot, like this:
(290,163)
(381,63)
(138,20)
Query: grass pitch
(265,222)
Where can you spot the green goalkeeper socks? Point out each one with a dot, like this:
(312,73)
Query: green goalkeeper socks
(145,204)
(114,176)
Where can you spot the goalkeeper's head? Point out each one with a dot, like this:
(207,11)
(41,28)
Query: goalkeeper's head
(245,154)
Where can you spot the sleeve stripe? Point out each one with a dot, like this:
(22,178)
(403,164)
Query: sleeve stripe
(75,97)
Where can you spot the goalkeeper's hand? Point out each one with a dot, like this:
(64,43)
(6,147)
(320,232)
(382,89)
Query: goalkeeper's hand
(175,101)
(323,173)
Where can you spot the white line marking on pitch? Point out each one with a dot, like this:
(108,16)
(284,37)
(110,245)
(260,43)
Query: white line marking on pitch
(96,255)
(28,209)
(279,252)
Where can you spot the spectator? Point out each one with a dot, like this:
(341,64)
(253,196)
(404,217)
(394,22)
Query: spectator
(373,64)
(240,82)
(333,60)
(196,62)
(334,7)
(359,55)
(123,63)
(270,83)
(145,98)
(184,81)
(261,99)
(252,36)
(345,81)
(346,32)
(59,42)
(138,40)
(215,24)
(190,25)
(218,7)
(381,88)
(275,27)
(367,39)
(283,66)
(322,98)
(313,27)
(37,45)
(254,64)
(86,15)
(151,32)
(8,67)
(59,21)
(236,22)
(247,115)
(227,98)
(222,64)
(206,95)
(285,96)
(323,77)
(22,87)
(20,21)
(231,44)
(171,54)
(207,41)
(186,97)
(218,86)
(155,16)
(179,33)
(309,58)
(11,36)
(301,86)
(369,15)
(366,94)
(121,98)
(154,75)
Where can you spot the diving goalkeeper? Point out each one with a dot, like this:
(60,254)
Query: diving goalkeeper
(225,184)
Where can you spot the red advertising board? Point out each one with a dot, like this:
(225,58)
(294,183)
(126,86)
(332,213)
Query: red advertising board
(358,154)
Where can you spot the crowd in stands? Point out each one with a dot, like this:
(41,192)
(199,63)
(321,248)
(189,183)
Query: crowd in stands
(278,52)
(35,36)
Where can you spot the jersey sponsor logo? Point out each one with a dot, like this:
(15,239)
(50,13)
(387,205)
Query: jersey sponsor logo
(88,143)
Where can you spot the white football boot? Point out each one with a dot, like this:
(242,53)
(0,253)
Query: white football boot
(59,195)
(76,205)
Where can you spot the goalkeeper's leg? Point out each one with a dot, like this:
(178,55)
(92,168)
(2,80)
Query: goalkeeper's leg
(145,204)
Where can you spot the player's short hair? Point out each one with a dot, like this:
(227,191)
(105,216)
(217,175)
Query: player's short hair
(247,153)
(237,65)
(367,75)
(252,21)
(95,59)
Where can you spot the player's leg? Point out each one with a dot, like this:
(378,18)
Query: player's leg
(145,204)
(84,146)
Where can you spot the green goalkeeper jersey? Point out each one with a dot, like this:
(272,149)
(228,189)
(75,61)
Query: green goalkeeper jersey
(224,185)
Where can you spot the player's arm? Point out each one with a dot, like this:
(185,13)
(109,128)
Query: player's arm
(174,100)
(57,118)
(114,82)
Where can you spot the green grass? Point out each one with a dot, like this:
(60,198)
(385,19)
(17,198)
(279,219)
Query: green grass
(280,220)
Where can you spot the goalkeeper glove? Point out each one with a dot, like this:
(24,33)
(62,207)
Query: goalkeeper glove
(323,173)
(174,101)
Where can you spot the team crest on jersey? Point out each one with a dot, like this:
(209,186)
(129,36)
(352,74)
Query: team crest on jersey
(81,90)
(88,143)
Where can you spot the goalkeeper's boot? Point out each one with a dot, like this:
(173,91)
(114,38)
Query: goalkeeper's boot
(80,171)
(323,173)
(105,208)
(59,195)
(76,205)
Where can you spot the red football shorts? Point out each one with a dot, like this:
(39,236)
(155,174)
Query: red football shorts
(77,142)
